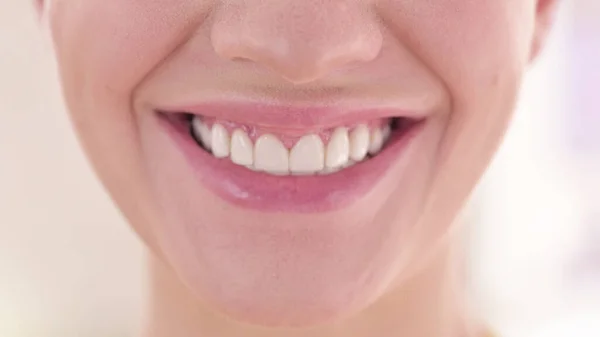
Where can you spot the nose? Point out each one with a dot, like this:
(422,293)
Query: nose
(301,40)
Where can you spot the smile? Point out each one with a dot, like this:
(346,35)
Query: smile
(322,152)
(300,160)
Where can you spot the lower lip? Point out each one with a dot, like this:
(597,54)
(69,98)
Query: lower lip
(300,194)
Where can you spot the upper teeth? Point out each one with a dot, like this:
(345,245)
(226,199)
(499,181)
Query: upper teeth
(308,156)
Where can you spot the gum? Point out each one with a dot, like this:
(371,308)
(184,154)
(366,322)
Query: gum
(289,137)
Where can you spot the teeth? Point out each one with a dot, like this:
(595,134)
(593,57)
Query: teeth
(387,132)
(270,155)
(308,155)
(202,133)
(328,170)
(242,149)
(376,141)
(220,141)
(350,163)
(359,142)
(338,149)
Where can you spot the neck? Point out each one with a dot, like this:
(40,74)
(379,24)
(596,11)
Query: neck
(431,304)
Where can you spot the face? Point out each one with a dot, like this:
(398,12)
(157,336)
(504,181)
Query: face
(292,161)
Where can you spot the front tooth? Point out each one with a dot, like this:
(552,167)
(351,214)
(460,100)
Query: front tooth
(242,149)
(329,170)
(338,149)
(202,132)
(350,163)
(220,141)
(270,155)
(308,155)
(359,142)
(376,141)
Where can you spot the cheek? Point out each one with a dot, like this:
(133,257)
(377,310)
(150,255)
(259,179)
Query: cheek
(479,49)
(103,49)
(465,42)
(116,43)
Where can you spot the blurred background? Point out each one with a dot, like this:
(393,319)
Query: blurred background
(70,267)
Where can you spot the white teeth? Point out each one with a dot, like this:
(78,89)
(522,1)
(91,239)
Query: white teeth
(338,149)
(308,155)
(270,155)
(328,170)
(202,133)
(376,141)
(242,149)
(220,141)
(359,142)
(350,163)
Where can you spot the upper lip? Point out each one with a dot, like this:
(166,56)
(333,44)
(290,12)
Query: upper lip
(294,116)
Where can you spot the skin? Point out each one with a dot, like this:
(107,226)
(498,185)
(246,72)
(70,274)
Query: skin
(393,261)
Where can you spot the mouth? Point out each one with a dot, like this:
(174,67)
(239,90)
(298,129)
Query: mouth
(295,162)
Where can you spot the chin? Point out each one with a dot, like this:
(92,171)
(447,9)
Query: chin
(309,306)
(285,278)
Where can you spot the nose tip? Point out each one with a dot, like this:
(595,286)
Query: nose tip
(300,62)
(302,43)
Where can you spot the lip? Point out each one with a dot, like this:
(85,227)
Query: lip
(286,116)
(298,194)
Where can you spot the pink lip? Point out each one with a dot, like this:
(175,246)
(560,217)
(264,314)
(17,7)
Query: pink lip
(305,118)
(300,194)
